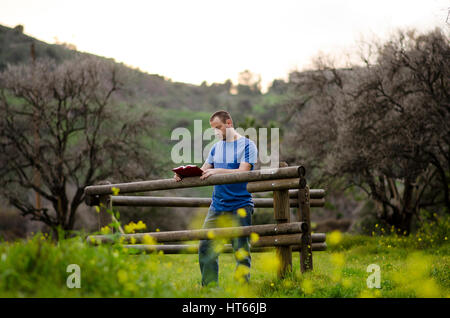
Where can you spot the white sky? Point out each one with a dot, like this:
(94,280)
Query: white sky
(212,40)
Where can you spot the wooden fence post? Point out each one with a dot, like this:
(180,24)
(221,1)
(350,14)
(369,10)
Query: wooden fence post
(306,263)
(104,218)
(282,215)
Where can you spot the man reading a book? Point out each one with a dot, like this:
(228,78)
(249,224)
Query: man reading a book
(232,153)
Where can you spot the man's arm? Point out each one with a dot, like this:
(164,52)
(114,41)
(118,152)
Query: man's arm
(244,166)
(206,166)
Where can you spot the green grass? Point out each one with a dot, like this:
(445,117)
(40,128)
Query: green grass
(37,268)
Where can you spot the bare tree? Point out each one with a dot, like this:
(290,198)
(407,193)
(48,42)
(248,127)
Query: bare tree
(386,125)
(84,134)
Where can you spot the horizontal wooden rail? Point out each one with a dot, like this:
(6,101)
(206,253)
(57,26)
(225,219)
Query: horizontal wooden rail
(313,193)
(204,234)
(272,185)
(195,202)
(193,248)
(286,239)
(228,178)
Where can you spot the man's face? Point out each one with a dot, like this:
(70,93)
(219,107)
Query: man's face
(220,128)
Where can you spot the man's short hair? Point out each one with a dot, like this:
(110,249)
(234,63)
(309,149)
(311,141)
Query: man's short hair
(223,116)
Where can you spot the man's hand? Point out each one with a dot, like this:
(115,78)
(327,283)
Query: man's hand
(177,177)
(208,172)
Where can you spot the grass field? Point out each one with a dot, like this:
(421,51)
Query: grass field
(409,267)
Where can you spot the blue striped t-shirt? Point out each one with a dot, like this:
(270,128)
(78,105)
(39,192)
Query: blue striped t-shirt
(229,155)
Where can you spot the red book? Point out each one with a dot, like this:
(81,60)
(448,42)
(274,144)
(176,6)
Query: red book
(188,171)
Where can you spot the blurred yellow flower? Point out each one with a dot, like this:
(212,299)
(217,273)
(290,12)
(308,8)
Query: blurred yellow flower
(115,190)
(105,230)
(254,237)
(132,227)
(428,289)
(338,259)
(335,237)
(241,254)
(269,262)
(242,213)
(307,286)
(226,221)
(148,240)
(241,271)
(140,226)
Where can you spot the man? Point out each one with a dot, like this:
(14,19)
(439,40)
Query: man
(232,153)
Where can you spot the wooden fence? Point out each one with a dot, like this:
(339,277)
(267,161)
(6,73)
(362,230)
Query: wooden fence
(290,190)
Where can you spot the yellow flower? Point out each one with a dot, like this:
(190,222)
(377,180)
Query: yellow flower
(226,221)
(254,237)
(140,226)
(157,230)
(132,227)
(105,230)
(97,209)
(335,237)
(269,262)
(428,289)
(115,190)
(241,254)
(307,286)
(242,213)
(133,240)
(148,240)
(129,228)
(338,259)
(210,235)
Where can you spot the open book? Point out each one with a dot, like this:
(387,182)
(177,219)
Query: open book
(188,171)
